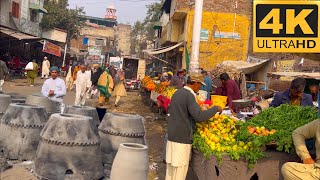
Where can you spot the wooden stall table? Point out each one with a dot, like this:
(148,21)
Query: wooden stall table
(268,168)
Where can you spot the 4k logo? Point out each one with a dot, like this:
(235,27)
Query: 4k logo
(286,26)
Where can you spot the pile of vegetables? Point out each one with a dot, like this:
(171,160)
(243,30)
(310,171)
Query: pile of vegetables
(148,83)
(160,88)
(284,119)
(169,91)
(219,134)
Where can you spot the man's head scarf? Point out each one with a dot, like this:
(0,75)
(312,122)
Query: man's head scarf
(54,68)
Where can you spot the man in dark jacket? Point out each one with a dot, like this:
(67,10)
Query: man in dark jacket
(184,111)
(293,96)
(178,80)
(229,88)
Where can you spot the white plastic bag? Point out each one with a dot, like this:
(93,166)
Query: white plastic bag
(202,95)
(29,66)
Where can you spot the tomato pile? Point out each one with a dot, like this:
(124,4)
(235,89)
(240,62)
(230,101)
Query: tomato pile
(224,135)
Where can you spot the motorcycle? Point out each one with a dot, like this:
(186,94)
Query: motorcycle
(132,84)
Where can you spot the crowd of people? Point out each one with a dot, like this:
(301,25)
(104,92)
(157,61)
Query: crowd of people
(88,80)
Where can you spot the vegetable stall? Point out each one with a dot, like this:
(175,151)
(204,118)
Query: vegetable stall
(224,147)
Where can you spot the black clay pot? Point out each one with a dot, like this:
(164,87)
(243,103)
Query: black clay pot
(20,129)
(85,111)
(117,128)
(48,104)
(5,100)
(69,147)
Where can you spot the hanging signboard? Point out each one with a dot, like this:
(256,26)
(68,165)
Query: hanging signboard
(227,35)
(204,35)
(94,50)
(116,62)
(51,48)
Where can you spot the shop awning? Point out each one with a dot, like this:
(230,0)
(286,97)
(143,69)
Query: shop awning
(246,67)
(161,50)
(307,75)
(16,34)
(37,7)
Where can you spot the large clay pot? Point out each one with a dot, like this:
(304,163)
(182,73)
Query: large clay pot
(5,100)
(69,147)
(117,128)
(85,111)
(20,129)
(48,104)
(131,162)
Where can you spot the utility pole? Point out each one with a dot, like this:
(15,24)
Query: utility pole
(194,62)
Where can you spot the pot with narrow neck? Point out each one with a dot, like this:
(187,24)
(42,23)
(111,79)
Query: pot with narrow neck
(131,162)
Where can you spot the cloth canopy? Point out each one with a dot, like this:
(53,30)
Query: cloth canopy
(315,75)
(246,67)
(161,50)
(16,34)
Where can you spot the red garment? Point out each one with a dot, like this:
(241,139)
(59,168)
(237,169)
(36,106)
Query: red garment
(230,89)
(16,62)
(163,102)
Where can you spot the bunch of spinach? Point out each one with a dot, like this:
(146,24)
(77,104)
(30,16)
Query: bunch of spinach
(285,119)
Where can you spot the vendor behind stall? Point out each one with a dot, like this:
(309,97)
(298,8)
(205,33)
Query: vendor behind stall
(184,111)
(310,168)
(293,96)
(314,89)
(178,80)
(228,88)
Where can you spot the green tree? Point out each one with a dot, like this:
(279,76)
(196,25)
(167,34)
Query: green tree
(59,16)
(142,33)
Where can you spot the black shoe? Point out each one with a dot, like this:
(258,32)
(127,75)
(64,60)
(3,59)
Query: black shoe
(116,105)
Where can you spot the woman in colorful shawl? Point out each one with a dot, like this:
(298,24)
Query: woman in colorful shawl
(105,86)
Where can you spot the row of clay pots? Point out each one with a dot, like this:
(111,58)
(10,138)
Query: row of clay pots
(66,140)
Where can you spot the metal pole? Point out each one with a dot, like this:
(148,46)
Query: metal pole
(64,56)
(194,62)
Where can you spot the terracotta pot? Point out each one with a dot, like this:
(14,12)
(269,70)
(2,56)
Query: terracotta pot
(20,129)
(116,128)
(85,111)
(48,104)
(131,162)
(5,100)
(69,148)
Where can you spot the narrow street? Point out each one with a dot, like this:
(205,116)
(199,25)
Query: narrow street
(132,104)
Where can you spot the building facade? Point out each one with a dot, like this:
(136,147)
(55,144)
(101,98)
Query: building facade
(123,34)
(224,31)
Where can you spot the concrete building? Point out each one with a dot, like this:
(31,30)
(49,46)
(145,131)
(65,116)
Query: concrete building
(123,34)
(224,31)
(104,34)
(22,15)
(20,28)
(96,41)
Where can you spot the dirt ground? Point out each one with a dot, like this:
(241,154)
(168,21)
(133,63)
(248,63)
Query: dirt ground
(134,103)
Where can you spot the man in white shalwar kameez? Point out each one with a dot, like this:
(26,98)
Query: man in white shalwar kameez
(45,68)
(54,88)
(83,84)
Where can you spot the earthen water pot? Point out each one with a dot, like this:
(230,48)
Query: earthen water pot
(85,111)
(20,129)
(69,148)
(48,104)
(5,100)
(117,128)
(131,162)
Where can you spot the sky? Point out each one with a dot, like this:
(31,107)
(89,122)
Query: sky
(128,11)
